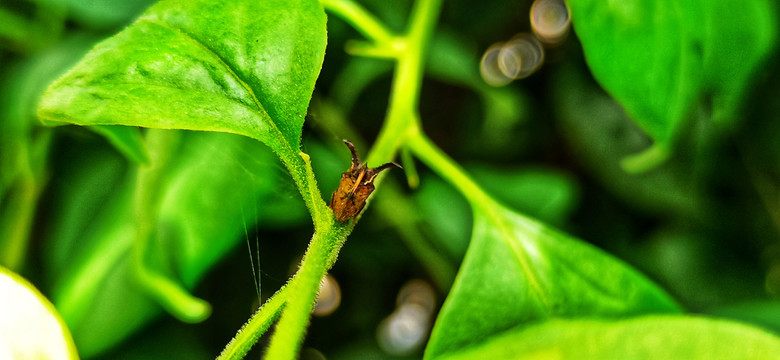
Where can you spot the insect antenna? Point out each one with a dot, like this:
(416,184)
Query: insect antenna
(375,171)
(355,158)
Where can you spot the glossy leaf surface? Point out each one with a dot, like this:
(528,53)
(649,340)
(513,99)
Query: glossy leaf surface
(243,67)
(651,337)
(660,58)
(518,271)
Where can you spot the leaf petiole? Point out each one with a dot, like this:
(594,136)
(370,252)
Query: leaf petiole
(439,162)
(360,19)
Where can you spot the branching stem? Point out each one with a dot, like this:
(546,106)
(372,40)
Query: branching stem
(297,300)
(360,19)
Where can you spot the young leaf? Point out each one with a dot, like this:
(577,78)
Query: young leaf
(245,67)
(518,271)
(649,337)
(659,58)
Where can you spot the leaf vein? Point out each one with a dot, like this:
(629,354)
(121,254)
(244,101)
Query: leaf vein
(186,35)
(521,254)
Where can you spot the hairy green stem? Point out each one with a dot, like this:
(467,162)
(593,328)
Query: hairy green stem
(330,235)
(289,332)
(319,258)
(299,166)
(258,324)
(328,238)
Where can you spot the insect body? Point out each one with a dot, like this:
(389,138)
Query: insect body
(357,183)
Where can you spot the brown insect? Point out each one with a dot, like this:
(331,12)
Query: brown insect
(357,183)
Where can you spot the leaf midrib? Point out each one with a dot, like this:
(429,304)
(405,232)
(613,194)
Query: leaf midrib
(515,244)
(260,109)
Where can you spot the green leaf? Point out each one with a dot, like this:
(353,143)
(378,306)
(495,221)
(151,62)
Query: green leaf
(244,67)
(600,134)
(127,140)
(34,29)
(518,271)
(545,194)
(446,214)
(20,90)
(765,313)
(736,46)
(649,337)
(30,327)
(660,58)
(244,186)
(215,185)
(19,98)
(23,144)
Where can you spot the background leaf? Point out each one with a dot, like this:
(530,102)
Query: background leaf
(24,144)
(599,134)
(704,225)
(659,59)
(127,140)
(105,14)
(518,271)
(650,337)
(243,67)
(226,182)
(544,194)
(765,314)
(30,25)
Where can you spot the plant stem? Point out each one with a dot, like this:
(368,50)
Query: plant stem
(328,239)
(407,81)
(330,235)
(299,166)
(438,161)
(319,257)
(648,159)
(258,324)
(392,205)
(360,19)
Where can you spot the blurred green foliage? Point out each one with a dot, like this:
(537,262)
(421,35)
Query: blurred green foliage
(680,57)
(705,224)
